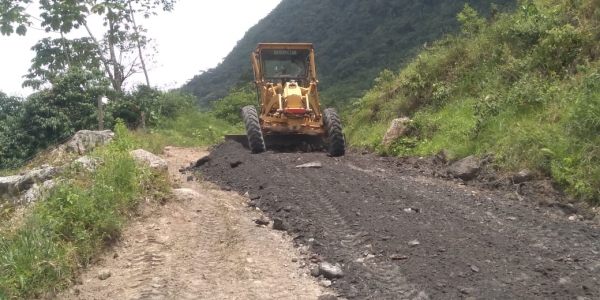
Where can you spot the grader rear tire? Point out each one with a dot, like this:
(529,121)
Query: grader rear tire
(333,125)
(255,137)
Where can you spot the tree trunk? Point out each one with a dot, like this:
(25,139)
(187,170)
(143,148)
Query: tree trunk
(118,75)
(100,116)
(101,55)
(66,50)
(137,38)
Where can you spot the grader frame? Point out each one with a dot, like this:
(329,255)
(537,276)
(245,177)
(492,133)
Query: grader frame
(289,109)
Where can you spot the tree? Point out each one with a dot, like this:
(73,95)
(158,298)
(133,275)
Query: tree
(117,43)
(51,60)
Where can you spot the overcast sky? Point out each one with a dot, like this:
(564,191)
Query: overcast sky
(195,36)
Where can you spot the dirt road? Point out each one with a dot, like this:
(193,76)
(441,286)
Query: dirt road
(203,244)
(400,233)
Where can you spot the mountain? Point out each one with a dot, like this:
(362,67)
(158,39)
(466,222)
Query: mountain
(353,39)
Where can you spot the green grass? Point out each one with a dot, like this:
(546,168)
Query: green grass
(191,129)
(86,212)
(524,86)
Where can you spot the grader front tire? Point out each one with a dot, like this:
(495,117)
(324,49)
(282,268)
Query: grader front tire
(255,137)
(333,125)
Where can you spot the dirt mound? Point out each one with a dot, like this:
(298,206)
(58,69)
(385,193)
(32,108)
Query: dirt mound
(398,232)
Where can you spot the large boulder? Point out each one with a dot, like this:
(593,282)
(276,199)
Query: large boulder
(15,185)
(466,168)
(24,189)
(39,175)
(8,185)
(150,159)
(398,129)
(85,140)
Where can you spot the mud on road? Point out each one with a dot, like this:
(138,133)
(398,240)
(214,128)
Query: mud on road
(400,233)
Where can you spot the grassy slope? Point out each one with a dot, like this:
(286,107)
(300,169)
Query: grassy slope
(524,85)
(44,251)
(191,129)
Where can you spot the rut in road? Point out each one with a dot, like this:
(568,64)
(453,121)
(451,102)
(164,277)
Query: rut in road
(459,242)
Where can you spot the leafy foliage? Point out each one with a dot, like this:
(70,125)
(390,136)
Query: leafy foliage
(230,107)
(354,40)
(48,117)
(51,59)
(523,85)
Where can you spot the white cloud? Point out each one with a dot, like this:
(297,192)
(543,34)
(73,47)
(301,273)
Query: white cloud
(195,36)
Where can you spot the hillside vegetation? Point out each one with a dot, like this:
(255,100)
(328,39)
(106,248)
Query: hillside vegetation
(523,85)
(353,41)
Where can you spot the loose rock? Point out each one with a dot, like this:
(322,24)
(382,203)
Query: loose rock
(310,165)
(262,221)
(278,224)
(398,129)
(330,271)
(150,159)
(104,274)
(466,168)
(522,176)
(398,257)
(413,243)
(327,297)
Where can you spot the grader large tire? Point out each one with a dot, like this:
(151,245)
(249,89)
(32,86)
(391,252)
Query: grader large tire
(333,125)
(255,137)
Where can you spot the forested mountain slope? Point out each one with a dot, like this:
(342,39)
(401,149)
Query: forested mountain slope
(354,40)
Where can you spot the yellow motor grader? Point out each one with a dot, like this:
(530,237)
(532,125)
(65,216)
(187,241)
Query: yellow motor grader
(288,101)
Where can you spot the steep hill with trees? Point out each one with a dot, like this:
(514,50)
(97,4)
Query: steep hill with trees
(524,86)
(354,40)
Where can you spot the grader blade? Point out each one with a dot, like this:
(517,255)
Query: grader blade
(284,142)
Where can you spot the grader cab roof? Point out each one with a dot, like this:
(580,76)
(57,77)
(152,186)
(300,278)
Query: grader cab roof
(285,46)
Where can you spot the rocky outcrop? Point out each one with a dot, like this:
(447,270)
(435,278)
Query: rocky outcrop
(13,186)
(150,159)
(85,140)
(24,189)
(398,129)
(8,185)
(32,185)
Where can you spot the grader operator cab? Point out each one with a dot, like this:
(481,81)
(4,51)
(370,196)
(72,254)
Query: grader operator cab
(289,112)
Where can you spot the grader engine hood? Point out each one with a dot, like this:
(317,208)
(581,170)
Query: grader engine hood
(292,95)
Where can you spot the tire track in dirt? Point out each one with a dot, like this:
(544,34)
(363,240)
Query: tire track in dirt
(202,244)
(387,277)
(460,242)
